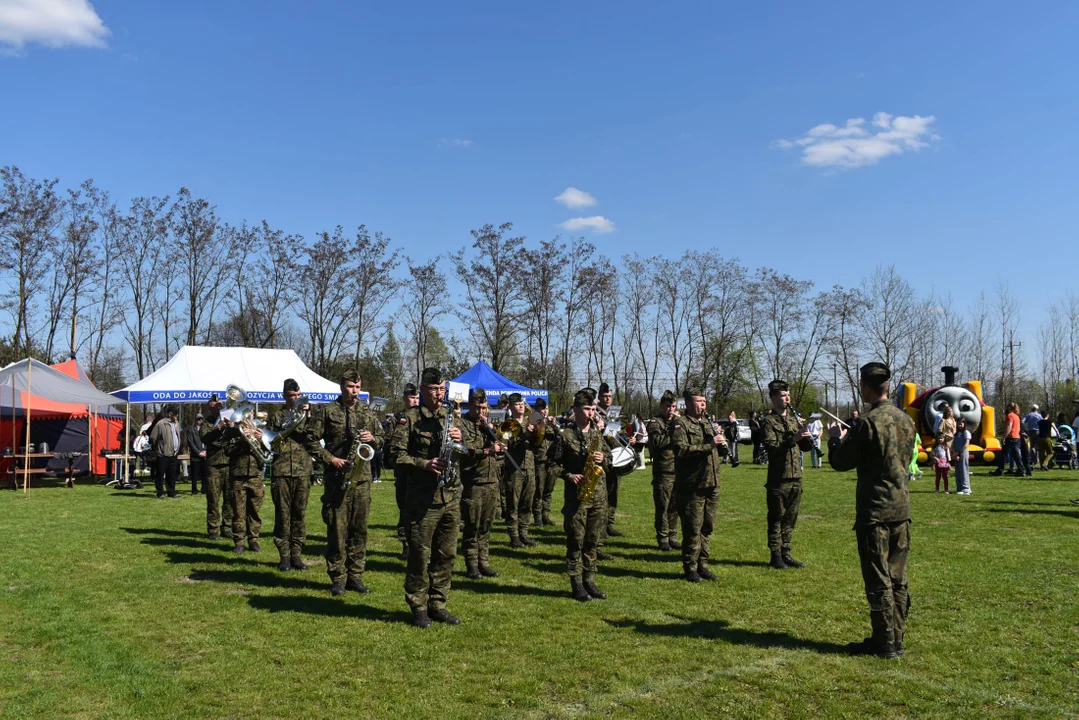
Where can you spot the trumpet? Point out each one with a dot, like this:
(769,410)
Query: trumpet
(510,429)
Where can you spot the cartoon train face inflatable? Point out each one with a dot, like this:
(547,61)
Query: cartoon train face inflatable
(966,402)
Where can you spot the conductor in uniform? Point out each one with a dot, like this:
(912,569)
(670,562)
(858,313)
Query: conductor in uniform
(879,447)
(785,438)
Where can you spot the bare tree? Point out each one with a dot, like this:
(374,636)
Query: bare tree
(325,311)
(140,241)
(642,332)
(888,319)
(545,271)
(846,342)
(673,282)
(578,293)
(375,283)
(30,213)
(107,313)
(426,302)
(198,247)
(1007,312)
(494,299)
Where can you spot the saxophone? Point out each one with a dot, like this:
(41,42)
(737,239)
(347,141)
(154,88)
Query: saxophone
(592,471)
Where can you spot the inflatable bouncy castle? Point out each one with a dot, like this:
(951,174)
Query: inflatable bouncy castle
(966,402)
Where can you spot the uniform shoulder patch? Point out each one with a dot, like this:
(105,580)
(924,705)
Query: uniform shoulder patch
(402,421)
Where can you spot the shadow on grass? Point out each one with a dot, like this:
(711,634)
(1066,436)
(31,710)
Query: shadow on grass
(242,576)
(181,542)
(605,569)
(189,558)
(493,587)
(330,607)
(1026,511)
(722,630)
(1017,502)
(524,553)
(164,532)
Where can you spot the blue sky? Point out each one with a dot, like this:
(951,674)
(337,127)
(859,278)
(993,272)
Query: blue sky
(686,123)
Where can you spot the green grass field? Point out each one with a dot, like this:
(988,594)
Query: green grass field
(114,604)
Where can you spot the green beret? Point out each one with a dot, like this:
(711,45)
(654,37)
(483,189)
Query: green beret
(583,398)
(691,392)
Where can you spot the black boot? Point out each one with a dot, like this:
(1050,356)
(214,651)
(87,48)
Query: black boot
(777,561)
(578,592)
(528,542)
(515,543)
(213,535)
(420,619)
(442,616)
(791,562)
(673,542)
(612,531)
(547,519)
(254,546)
(706,574)
(338,587)
(472,570)
(486,570)
(869,646)
(285,565)
(693,576)
(239,548)
(355,583)
(404,551)
(298,563)
(591,589)
(603,555)
(664,545)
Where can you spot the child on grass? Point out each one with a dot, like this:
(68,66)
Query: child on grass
(961,454)
(940,462)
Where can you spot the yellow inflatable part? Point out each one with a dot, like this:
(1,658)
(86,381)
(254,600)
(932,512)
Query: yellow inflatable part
(988,457)
(909,391)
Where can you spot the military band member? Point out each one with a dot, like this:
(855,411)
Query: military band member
(583,520)
(880,448)
(698,449)
(545,480)
(480,474)
(346,499)
(663,474)
(519,475)
(614,478)
(785,438)
(411,398)
(434,509)
(217,485)
(290,485)
(247,486)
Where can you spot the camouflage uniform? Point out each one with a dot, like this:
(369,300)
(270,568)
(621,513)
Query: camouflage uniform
(663,475)
(613,479)
(784,483)
(434,511)
(520,485)
(217,485)
(696,486)
(345,510)
(583,522)
(545,480)
(291,485)
(479,496)
(400,477)
(880,447)
(248,488)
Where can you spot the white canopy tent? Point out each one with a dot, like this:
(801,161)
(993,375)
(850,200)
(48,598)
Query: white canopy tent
(195,372)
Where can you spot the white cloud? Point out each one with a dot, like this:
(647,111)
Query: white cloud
(55,23)
(855,145)
(446,143)
(597,224)
(573,198)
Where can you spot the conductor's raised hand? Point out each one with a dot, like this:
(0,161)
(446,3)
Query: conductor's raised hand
(836,431)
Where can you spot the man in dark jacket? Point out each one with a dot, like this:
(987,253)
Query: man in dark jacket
(196,462)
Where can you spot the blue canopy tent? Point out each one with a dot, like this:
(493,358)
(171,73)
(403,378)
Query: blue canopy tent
(481,375)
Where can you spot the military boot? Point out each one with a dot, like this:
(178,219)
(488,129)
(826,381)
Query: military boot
(286,563)
(226,533)
(537,519)
(239,548)
(472,570)
(213,535)
(869,646)
(664,544)
(791,562)
(547,519)
(355,583)
(420,619)
(692,576)
(338,587)
(673,542)
(706,574)
(577,590)
(591,589)
(298,563)
(528,541)
(515,542)
(443,616)
(603,555)
(254,546)
(777,561)
(486,570)
(404,551)
(612,531)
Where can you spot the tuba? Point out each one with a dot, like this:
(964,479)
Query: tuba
(246,420)
(294,418)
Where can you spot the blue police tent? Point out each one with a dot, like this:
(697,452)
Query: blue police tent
(481,375)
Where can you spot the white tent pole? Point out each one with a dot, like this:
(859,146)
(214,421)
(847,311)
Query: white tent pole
(127,443)
(26,451)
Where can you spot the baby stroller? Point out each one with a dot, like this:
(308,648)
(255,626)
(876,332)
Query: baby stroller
(1064,448)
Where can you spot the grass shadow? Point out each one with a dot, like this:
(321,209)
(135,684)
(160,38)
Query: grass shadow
(181,542)
(189,558)
(260,578)
(481,587)
(522,553)
(605,569)
(164,532)
(329,607)
(1024,511)
(739,563)
(722,630)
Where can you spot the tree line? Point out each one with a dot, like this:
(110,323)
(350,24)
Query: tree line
(124,287)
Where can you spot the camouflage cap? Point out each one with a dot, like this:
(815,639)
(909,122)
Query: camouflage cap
(667,397)
(352,375)
(777,386)
(691,392)
(477,396)
(431,376)
(875,373)
(582,398)
(410,390)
